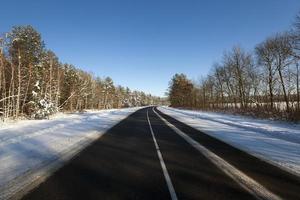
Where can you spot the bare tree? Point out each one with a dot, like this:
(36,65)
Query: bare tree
(266,59)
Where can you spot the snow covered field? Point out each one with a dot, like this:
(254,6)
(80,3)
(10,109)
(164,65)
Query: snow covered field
(273,141)
(32,149)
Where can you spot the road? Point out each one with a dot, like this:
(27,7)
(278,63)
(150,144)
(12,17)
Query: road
(150,155)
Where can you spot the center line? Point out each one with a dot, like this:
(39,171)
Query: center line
(162,163)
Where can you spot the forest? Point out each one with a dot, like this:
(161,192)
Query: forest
(263,82)
(35,84)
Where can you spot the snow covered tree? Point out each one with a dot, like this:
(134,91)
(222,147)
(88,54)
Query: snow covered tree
(25,49)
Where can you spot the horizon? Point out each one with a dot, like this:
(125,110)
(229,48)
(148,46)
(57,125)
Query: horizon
(141,45)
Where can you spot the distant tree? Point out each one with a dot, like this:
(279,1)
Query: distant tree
(180,90)
(240,64)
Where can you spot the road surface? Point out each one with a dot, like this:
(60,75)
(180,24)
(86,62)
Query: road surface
(150,155)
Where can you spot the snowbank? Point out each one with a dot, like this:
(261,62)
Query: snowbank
(31,149)
(273,141)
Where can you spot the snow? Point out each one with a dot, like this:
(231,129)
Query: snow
(30,149)
(37,85)
(275,142)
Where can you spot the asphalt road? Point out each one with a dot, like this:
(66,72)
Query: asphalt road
(150,155)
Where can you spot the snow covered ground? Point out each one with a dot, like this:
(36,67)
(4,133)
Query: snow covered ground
(32,149)
(273,141)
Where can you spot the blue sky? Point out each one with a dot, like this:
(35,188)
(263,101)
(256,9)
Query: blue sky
(143,43)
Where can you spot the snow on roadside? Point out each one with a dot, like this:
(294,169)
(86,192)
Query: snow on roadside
(29,147)
(275,142)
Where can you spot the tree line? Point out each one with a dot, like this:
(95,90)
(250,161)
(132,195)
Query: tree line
(263,82)
(35,84)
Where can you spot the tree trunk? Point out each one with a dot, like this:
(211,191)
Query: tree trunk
(284,91)
(27,87)
(297,85)
(57,88)
(19,85)
(270,83)
(50,80)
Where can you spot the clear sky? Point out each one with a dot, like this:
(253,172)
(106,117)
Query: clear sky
(143,43)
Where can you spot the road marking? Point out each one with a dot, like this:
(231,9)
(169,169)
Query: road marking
(162,163)
(242,179)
